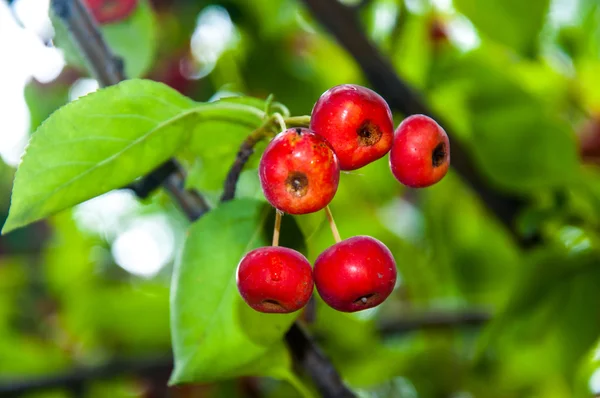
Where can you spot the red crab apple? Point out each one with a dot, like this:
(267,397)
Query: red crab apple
(589,140)
(109,11)
(355,274)
(299,173)
(420,154)
(357,123)
(275,279)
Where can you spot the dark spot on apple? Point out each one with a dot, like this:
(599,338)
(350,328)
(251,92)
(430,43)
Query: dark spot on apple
(363,300)
(272,305)
(438,156)
(297,184)
(298,131)
(368,133)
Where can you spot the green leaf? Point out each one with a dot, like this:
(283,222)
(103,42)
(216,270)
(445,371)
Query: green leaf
(245,100)
(106,140)
(514,23)
(133,39)
(215,144)
(98,143)
(216,335)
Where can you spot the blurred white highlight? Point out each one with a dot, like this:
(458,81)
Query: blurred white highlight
(142,244)
(146,246)
(24,56)
(108,214)
(594,382)
(463,34)
(402,218)
(213,35)
(81,87)
(385,17)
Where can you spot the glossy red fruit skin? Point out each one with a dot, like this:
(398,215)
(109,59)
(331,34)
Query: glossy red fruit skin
(298,171)
(275,279)
(353,269)
(420,154)
(110,11)
(357,123)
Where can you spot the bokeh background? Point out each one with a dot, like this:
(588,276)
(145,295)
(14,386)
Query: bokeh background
(499,265)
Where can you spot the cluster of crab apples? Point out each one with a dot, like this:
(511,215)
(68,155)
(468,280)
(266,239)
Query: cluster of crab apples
(350,127)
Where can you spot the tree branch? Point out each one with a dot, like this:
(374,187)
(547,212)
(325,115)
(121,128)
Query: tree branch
(108,69)
(191,202)
(344,25)
(246,150)
(316,364)
(150,183)
(78,377)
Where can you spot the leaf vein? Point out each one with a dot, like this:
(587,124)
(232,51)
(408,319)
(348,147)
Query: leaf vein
(63,164)
(119,153)
(122,116)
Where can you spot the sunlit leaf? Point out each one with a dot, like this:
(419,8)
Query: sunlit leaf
(512,22)
(104,141)
(100,142)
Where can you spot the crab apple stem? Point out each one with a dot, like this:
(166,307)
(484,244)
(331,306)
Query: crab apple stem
(334,230)
(298,121)
(280,121)
(277,227)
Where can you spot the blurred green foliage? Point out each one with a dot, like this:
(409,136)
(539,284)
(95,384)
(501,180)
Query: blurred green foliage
(515,81)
